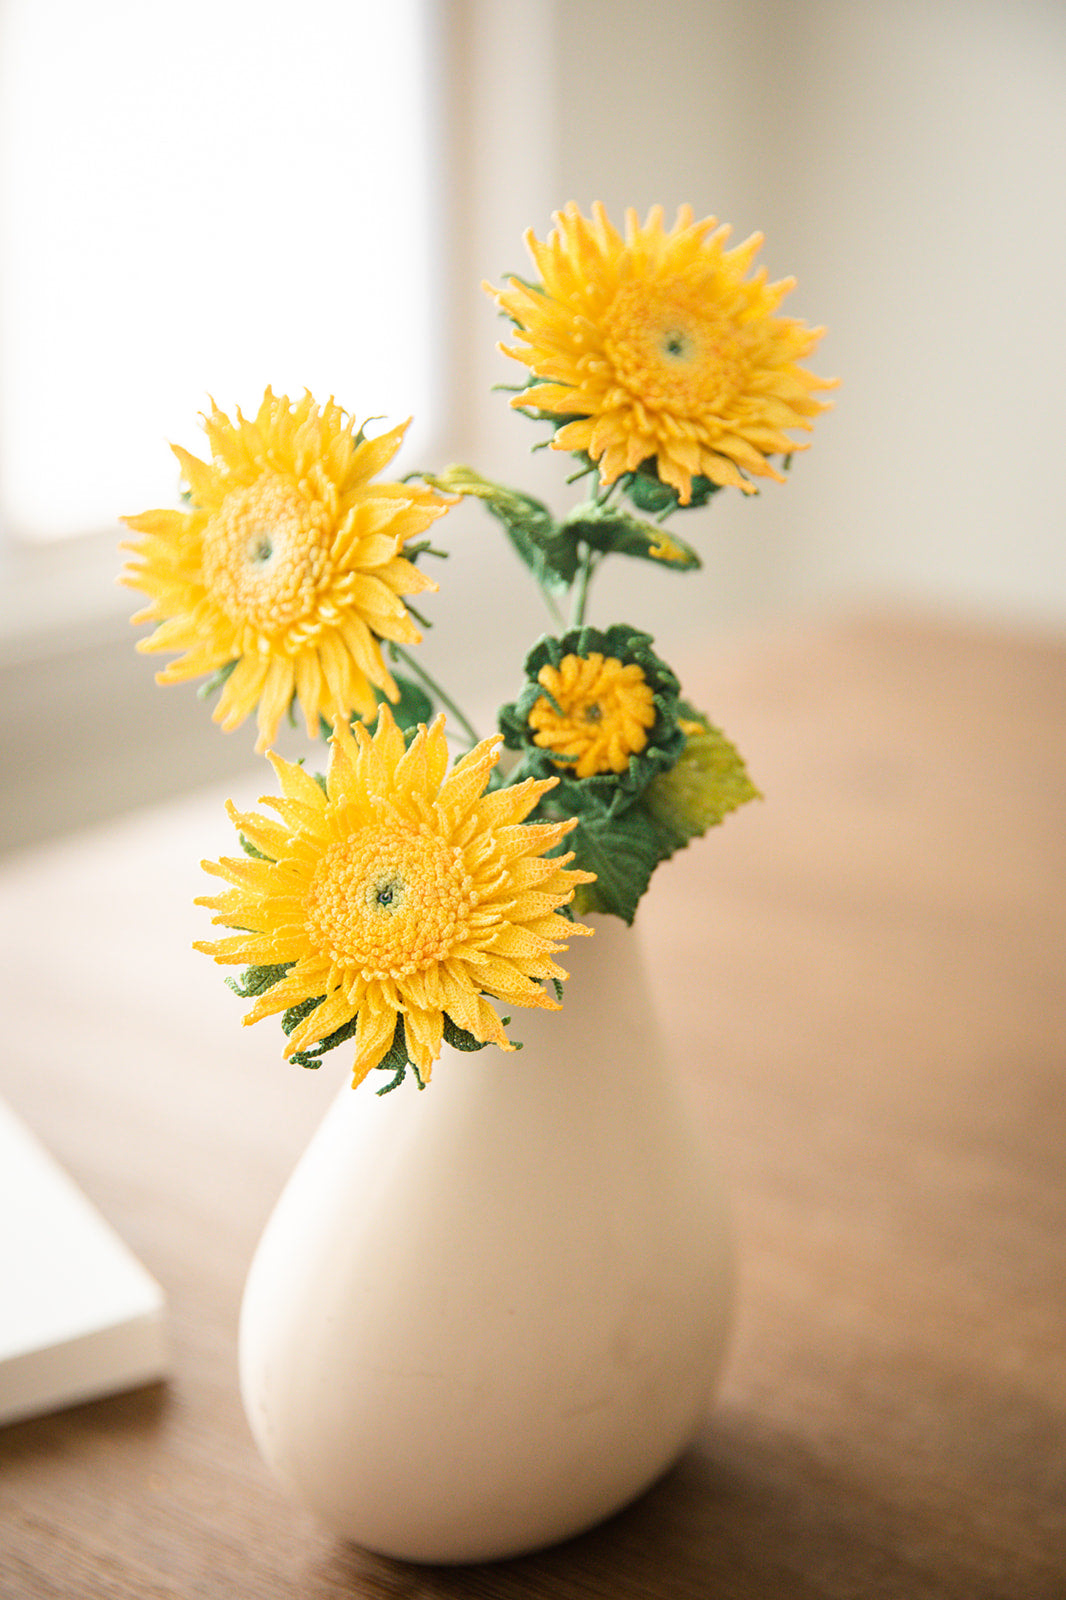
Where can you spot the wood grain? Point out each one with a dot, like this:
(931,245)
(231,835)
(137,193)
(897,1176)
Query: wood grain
(866,979)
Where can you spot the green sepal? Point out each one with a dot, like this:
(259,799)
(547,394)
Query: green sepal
(312,1057)
(650,494)
(459,1038)
(536,537)
(360,437)
(291,1019)
(614,791)
(614,532)
(527,283)
(424,547)
(255,981)
(215,682)
(536,413)
(643,486)
(707,782)
(251,850)
(396,1060)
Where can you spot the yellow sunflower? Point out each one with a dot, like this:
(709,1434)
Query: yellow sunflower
(287,566)
(661,349)
(600,709)
(595,715)
(401,890)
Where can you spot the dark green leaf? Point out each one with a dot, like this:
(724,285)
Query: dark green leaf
(622,850)
(413,706)
(529,524)
(615,532)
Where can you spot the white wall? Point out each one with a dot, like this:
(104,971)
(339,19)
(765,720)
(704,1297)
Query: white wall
(928,213)
(906,160)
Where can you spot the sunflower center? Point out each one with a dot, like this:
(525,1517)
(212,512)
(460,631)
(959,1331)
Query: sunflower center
(265,552)
(672,349)
(595,715)
(387,902)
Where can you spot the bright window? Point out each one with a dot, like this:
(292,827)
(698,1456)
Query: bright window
(198,199)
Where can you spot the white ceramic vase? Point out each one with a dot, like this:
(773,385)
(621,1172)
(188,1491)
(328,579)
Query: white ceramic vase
(485,1316)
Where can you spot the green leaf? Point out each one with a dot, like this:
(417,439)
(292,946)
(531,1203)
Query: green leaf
(548,553)
(413,706)
(616,532)
(623,851)
(707,782)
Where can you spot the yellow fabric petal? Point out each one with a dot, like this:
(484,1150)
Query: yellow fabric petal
(424,1032)
(298,784)
(373,1038)
(325,1019)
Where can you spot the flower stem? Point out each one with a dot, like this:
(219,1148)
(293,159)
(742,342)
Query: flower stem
(397,650)
(581,590)
(552,605)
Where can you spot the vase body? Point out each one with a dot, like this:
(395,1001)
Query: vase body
(485,1316)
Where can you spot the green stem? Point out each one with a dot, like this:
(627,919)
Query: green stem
(581,591)
(397,650)
(552,605)
(602,494)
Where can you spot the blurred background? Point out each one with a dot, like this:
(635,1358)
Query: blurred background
(203,197)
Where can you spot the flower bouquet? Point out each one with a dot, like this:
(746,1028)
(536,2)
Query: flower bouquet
(483,1319)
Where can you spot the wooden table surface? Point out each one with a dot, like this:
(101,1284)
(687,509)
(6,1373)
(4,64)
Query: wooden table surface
(868,977)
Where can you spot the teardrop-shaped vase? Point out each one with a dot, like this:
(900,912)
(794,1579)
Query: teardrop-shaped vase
(486,1316)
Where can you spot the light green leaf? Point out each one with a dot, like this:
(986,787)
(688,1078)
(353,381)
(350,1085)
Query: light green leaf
(707,782)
